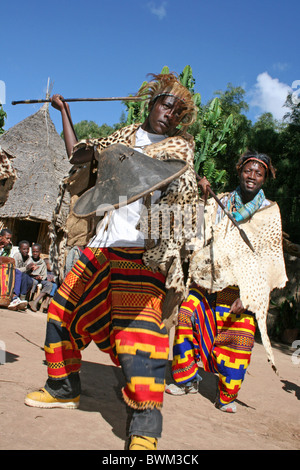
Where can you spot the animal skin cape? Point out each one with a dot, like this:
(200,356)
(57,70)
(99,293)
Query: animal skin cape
(224,259)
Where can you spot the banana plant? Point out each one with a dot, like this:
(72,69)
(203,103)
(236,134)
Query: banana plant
(211,143)
(136,110)
(187,79)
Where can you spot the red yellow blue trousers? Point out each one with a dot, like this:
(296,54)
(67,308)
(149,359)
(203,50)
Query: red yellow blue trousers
(222,340)
(111,298)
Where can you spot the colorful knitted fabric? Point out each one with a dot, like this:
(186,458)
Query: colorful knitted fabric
(110,297)
(194,337)
(244,211)
(7,283)
(223,341)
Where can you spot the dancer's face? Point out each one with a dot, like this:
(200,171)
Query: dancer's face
(252,178)
(164,116)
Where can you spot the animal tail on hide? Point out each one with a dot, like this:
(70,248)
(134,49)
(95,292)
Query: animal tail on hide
(266,342)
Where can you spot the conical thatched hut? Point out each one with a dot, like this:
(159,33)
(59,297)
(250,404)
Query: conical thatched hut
(41,163)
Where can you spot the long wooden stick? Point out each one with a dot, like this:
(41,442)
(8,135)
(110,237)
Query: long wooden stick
(242,232)
(117,98)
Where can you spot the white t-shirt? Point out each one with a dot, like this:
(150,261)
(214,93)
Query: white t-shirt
(118,227)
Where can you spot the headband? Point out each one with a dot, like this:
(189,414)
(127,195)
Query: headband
(257,160)
(168,94)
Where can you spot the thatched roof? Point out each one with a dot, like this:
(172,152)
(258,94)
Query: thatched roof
(41,163)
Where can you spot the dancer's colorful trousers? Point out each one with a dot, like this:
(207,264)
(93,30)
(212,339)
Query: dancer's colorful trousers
(110,297)
(223,341)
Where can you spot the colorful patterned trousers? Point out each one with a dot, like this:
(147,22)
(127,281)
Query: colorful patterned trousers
(223,341)
(110,297)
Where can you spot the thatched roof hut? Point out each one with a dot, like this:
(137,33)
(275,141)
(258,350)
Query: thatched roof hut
(41,163)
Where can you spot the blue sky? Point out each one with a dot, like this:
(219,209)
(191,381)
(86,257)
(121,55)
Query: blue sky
(106,48)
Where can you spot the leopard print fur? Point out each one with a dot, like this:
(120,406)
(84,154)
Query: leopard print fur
(164,255)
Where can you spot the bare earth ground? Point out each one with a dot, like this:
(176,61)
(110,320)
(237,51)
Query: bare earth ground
(268,416)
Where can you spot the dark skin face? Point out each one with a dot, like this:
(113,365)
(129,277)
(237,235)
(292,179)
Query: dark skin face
(5,239)
(24,250)
(35,253)
(164,115)
(252,177)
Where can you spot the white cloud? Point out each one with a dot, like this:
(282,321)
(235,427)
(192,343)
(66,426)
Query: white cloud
(281,66)
(269,95)
(159,11)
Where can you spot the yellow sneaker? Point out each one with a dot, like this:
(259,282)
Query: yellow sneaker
(43,399)
(143,443)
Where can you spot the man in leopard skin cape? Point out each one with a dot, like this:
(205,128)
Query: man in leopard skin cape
(230,286)
(114,294)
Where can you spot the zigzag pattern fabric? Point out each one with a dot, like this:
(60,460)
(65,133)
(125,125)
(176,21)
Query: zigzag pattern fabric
(233,345)
(194,337)
(207,331)
(110,297)
(7,283)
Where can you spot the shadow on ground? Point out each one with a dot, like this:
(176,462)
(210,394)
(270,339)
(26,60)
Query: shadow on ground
(101,392)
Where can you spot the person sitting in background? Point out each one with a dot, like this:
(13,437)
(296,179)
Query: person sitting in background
(7,268)
(23,265)
(39,273)
(5,242)
(51,278)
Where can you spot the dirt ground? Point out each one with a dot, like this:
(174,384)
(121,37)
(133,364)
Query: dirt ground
(268,415)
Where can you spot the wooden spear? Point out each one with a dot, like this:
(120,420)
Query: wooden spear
(242,232)
(118,98)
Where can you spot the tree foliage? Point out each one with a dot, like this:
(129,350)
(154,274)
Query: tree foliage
(3,116)
(211,143)
(232,103)
(91,130)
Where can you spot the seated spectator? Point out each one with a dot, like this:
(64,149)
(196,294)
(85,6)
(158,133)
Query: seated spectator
(5,242)
(23,265)
(39,273)
(52,278)
(7,268)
